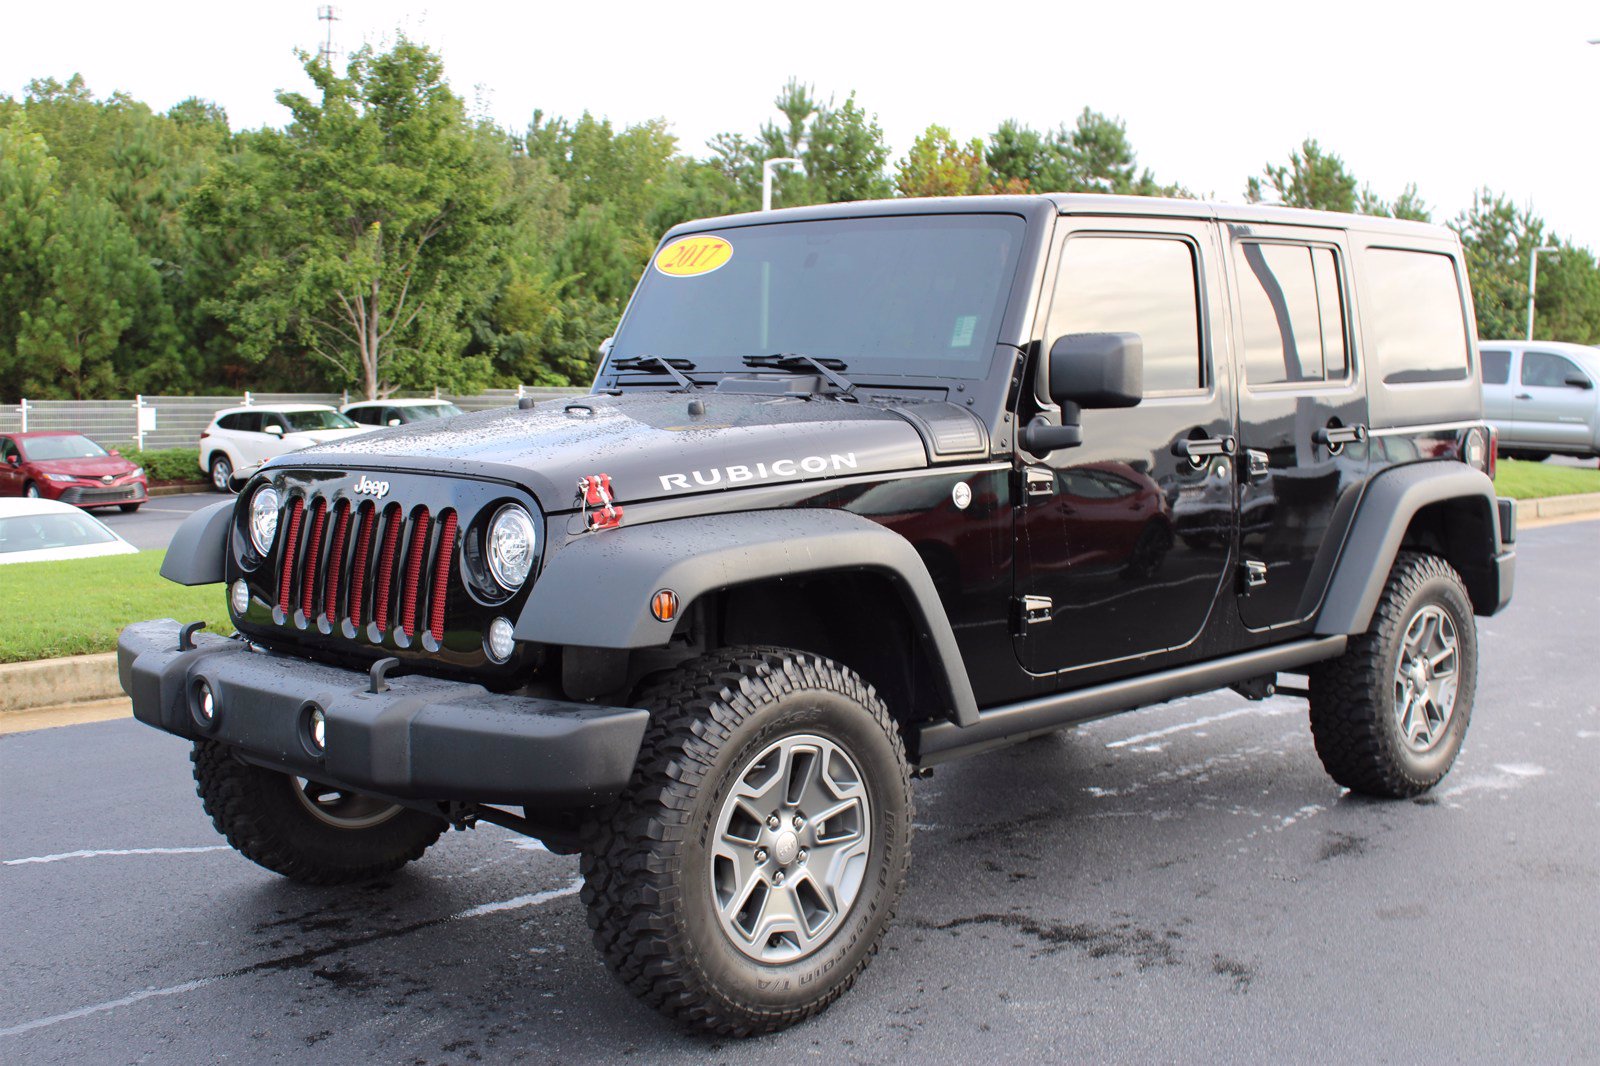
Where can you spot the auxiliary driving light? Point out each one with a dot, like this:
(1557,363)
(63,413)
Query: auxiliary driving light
(317,727)
(502,639)
(205,703)
(239,595)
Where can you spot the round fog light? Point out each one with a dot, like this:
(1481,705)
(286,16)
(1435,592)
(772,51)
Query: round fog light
(205,703)
(240,597)
(501,642)
(319,729)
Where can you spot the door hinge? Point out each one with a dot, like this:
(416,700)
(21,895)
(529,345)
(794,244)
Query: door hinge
(1257,464)
(1030,610)
(1253,574)
(1038,481)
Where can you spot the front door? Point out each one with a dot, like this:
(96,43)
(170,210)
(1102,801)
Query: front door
(1302,415)
(1124,541)
(1553,402)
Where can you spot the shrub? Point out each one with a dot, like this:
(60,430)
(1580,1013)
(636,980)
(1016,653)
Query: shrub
(167,464)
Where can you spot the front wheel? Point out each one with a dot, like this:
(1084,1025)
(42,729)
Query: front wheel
(31,491)
(129,508)
(306,831)
(1389,715)
(750,870)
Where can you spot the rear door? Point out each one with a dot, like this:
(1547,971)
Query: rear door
(1494,368)
(1123,542)
(1302,414)
(1554,401)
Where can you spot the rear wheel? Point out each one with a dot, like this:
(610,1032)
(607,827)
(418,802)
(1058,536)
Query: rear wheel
(221,472)
(751,868)
(1389,715)
(306,831)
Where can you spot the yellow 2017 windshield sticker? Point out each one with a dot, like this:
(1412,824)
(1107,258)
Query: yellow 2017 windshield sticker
(687,257)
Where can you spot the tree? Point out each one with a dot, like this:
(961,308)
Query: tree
(368,226)
(937,165)
(1313,178)
(841,150)
(846,156)
(1498,239)
(1092,156)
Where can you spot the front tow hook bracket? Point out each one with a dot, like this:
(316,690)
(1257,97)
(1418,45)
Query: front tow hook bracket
(186,635)
(379,675)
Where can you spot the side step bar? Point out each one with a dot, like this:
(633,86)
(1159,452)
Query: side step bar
(941,741)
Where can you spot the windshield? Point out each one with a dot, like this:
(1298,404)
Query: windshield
(905,295)
(26,533)
(302,421)
(429,410)
(71,446)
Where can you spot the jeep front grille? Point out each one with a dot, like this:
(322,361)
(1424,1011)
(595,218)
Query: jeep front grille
(347,566)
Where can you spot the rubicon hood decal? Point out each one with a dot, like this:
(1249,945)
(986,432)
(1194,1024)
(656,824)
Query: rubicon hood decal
(649,442)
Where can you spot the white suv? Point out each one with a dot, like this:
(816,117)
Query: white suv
(399,412)
(239,439)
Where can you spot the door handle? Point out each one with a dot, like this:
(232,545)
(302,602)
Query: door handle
(1336,437)
(1524,395)
(1198,451)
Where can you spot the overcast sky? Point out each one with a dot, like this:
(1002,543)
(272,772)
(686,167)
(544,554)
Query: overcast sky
(1450,95)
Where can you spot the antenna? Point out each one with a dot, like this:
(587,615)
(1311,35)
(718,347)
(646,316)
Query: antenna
(325,13)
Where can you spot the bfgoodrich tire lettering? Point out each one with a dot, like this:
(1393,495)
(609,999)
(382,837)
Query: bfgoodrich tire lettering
(268,820)
(1360,727)
(648,879)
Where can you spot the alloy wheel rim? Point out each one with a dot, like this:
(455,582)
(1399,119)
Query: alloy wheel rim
(340,809)
(221,471)
(1426,678)
(790,849)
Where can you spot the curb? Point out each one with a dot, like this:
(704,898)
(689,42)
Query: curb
(1583,503)
(180,488)
(51,682)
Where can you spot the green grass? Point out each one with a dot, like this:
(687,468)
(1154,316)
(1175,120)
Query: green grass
(78,606)
(1523,480)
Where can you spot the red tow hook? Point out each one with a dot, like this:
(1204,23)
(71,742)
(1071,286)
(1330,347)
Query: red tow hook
(594,495)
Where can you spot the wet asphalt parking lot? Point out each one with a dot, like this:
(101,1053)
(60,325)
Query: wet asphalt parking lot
(1178,884)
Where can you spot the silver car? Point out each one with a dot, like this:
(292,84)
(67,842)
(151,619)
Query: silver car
(1541,396)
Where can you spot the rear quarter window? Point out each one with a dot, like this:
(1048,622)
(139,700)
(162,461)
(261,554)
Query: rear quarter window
(1415,317)
(1496,367)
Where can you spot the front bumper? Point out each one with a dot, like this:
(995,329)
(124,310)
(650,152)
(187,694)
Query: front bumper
(84,494)
(424,738)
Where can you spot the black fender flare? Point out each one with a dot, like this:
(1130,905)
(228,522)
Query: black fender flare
(199,549)
(696,556)
(1390,502)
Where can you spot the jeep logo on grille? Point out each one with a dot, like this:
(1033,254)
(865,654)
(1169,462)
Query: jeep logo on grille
(367,487)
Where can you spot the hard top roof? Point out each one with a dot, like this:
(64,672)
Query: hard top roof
(1083,204)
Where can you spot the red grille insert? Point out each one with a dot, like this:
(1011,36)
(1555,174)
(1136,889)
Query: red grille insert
(441,576)
(391,541)
(413,580)
(291,540)
(308,574)
(367,522)
(341,526)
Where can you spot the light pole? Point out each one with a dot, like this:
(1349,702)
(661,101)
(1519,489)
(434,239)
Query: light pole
(766,178)
(1533,280)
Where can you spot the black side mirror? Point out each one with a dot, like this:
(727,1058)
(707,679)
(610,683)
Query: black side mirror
(1087,370)
(1578,381)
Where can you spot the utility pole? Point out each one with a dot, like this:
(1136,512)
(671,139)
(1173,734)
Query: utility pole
(767,170)
(1533,280)
(325,13)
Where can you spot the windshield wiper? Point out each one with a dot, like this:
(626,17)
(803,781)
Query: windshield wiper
(797,361)
(673,367)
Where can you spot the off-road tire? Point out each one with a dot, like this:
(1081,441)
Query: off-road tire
(255,809)
(646,866)
(1353,720)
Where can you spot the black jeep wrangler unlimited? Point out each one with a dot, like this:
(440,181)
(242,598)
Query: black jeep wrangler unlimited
(858,489)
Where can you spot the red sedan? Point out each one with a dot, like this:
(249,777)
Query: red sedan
(66,466)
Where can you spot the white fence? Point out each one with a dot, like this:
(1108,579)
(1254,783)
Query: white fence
(176,421)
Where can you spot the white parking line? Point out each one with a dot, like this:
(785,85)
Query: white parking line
(112,851)
(533,899)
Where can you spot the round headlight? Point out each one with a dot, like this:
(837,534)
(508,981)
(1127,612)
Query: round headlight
(513,539)
(264,518)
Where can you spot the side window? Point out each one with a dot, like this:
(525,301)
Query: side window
(1293,314)
(1143,285)
(1547,370)
(1418,325)
(7,449)
(249,421)
(270,419)
(391,414)
(1496,368)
